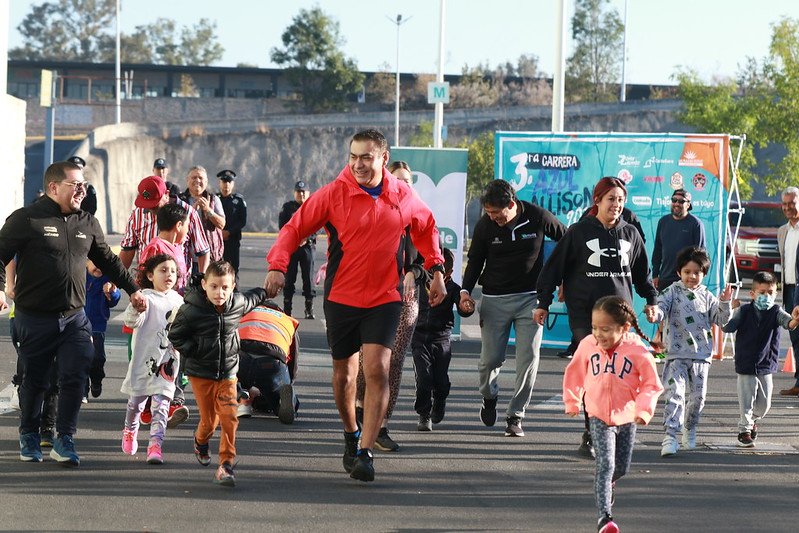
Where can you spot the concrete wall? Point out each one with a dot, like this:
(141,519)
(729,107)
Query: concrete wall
(270,155)
(12,154)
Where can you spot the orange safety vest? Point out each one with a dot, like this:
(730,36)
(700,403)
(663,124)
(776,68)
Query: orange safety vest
(264,324)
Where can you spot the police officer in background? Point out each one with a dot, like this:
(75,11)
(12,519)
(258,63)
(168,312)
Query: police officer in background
(235,216)
(303,257)
(89,203)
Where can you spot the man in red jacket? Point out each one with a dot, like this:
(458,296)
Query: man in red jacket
(364,211)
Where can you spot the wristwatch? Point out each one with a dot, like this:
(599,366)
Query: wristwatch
(437,268)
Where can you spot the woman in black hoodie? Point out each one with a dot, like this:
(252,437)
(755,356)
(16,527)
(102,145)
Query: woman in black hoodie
(600,255)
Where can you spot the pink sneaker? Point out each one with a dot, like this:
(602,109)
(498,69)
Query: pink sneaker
(154,456)
(129,444)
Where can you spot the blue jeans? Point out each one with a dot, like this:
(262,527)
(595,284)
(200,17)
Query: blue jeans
(43,342)
(268,375)
(497,315)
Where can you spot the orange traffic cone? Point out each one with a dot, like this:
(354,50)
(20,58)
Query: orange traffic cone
(790,365)
(718,343)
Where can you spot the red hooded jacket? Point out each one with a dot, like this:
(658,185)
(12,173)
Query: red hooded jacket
(365,238)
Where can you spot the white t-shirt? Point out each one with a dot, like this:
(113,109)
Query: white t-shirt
(791,243)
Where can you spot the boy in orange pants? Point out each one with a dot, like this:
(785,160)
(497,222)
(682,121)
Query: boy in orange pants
(204,332)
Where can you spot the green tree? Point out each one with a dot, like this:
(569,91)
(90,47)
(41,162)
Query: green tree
(480,168)
(83,30)
(762,103)
(594,66)
(157,43)
(324,78)
(68,30)
(382,86)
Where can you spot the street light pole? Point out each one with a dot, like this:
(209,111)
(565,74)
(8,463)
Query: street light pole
(438,117)
(623,89)
(398,22)
(118,72)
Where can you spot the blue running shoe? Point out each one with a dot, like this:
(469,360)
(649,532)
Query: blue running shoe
(64,451)
(30,448)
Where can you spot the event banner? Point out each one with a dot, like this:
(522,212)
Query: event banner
(559,171)
(439,177)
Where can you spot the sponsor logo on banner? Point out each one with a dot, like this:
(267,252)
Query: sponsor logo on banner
(676,181)
(653,179)
(655,161)
(448,237)
(642,201)
(625,176)
(628,161)
(690,159)
(699,181)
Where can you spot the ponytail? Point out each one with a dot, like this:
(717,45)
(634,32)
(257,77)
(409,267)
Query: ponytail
(621,312)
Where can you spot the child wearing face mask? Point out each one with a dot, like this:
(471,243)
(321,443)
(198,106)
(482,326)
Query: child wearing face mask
(757,345)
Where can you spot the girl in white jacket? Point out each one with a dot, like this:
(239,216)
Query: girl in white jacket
(154,362)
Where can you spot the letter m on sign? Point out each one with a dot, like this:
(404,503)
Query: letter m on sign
(438,93)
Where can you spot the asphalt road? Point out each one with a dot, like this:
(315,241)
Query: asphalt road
(463,476)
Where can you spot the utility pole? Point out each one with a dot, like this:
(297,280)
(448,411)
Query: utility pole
(118,72)
(438,121)
(398,22)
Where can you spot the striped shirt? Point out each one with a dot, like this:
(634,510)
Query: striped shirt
(142,228)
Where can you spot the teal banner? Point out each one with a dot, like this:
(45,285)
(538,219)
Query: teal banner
(559,171)
(439,178)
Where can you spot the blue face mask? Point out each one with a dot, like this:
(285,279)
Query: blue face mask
(763,302)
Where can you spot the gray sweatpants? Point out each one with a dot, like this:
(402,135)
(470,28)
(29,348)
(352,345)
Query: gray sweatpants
(685,381)
(754,399)
(497,315)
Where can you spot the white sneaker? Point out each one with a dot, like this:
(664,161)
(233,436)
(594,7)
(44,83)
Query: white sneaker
(670,446)
(244,410)
(689,438)
(13,403)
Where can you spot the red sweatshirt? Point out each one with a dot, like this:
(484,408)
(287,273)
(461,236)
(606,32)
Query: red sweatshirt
(365,252)
(618,387)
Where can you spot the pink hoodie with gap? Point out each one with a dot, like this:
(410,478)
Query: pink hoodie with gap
(618,387)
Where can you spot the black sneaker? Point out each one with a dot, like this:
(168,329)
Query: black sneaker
(753,433)
(96,389)
(439,406)
(586,448)
(514,428)
(424,423)
(385,443)
(565,354)
(364,469)
(202,452)
(285,412)
(47,438)
(488,411)
(607,525)
(745,440)
(350,449)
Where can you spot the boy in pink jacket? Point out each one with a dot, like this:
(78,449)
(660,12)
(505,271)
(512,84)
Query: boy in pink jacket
(614,375)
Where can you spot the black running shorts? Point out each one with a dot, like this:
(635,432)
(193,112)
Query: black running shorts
(349,327)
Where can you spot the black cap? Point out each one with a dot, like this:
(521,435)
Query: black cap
(301,186)
(160,163)
(226,175)
(77,160)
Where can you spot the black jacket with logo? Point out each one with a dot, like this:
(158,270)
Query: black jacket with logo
(208,339)
(507,260)
(51,250)
(592,262)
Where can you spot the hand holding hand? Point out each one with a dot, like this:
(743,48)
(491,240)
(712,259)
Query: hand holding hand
(651,313)
(138,301)
(438,290)
(273,283)
(539,316)
(466,303)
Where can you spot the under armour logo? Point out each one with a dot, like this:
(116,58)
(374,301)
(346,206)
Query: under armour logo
(623,252)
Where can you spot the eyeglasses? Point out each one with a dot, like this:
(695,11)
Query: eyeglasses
(77,185)
(678,201)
